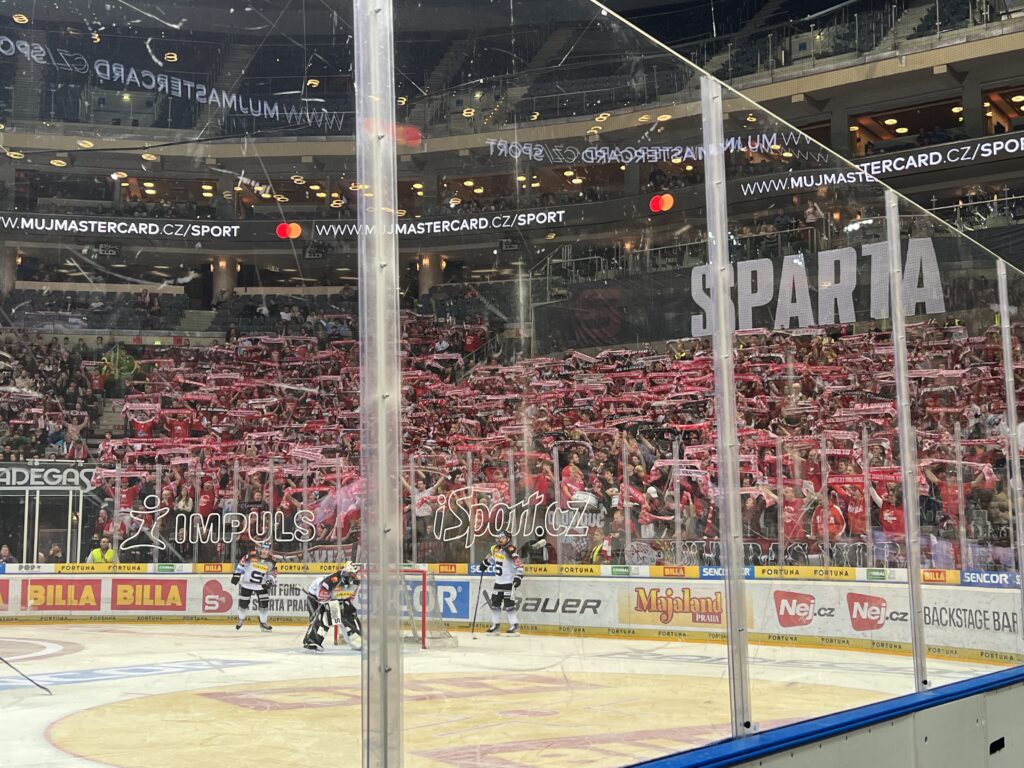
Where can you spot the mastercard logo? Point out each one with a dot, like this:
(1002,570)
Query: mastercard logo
(288,231)
(661,203)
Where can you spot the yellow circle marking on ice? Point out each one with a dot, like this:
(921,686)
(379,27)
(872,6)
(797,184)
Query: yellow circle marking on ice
(528,718)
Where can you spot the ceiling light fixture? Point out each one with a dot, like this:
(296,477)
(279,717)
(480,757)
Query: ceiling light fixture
(85,144)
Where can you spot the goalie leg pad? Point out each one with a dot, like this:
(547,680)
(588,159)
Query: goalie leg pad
(317,628)
(350,619)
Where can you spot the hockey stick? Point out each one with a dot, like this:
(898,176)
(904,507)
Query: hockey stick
(37,685)
(476,608)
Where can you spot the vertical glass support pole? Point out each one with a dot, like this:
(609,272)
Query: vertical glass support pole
(556,470)
(1013,460)
(337,512)
(413,501)
(35,533)
(960,501)
(268,500)
(115,513)
(826,509)
(380,382)
(908,440)
(81,523)
(624,497)
(197,487)
(679,503)
(24,530)
(780,504)
(865,468)
(725,405)
(305,505)
(236,507)
(472,501)
(156,506)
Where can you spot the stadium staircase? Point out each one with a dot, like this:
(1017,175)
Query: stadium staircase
(446,68)
(111,420)
(721,59)
(232,70)
(195,321)
(547,56)
(908,23)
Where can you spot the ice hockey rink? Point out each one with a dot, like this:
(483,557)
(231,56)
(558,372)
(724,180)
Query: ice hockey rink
(163,695)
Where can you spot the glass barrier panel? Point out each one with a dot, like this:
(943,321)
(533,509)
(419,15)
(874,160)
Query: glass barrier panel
(179,377)
(816,417)
(967,507)
(546,397)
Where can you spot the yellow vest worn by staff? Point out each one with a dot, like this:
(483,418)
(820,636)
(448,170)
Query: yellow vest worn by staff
(97,556)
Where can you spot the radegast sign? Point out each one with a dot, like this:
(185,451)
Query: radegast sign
(42,477)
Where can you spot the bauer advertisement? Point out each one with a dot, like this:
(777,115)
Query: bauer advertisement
(968,622)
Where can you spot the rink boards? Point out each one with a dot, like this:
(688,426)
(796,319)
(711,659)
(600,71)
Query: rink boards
(961,622)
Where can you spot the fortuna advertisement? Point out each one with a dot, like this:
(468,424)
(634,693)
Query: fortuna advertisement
(960,622)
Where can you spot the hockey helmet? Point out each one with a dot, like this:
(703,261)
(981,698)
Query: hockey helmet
(504,537)
(349,568)
(263,548)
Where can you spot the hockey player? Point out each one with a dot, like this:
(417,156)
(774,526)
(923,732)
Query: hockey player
(329,600)
(508,575)
(255,574)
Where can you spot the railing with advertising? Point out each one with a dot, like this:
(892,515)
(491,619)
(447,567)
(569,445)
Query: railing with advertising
(803,608)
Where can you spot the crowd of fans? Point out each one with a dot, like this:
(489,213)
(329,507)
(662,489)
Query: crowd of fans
(51,394)
(621,445)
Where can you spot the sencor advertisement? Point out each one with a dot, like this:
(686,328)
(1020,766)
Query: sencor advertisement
(978,622)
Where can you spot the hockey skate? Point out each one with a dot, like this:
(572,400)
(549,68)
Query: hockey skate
(513,631)
(239,623)
(494,629)
(313,647)
(266,627)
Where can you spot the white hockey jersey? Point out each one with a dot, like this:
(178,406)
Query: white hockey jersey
(507,564)
(255,572)
(333,587)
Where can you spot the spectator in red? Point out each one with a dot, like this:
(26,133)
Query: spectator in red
(836,521)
